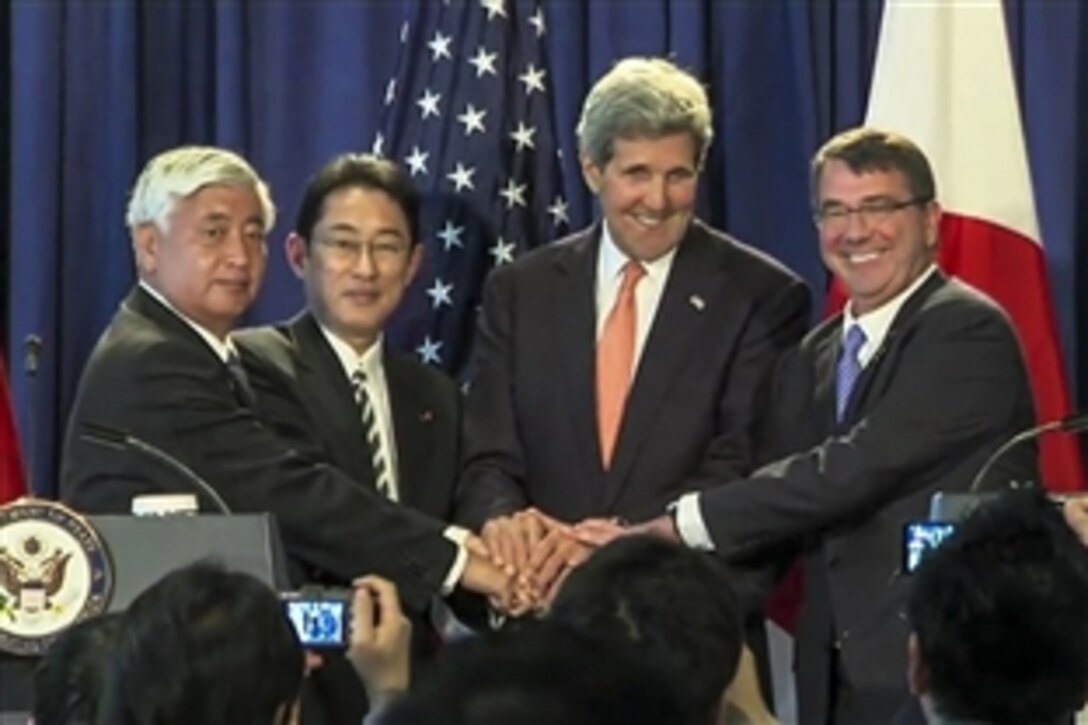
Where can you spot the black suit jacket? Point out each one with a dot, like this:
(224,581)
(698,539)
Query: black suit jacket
(726,314)
(151,375)
(303,394)
(947,387)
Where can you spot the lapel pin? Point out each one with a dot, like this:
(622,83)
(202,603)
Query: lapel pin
(426,416)
(697,302)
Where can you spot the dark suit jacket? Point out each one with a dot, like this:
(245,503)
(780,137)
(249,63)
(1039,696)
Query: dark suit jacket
(303,394)
(151,375)
(947,387)
(726,314)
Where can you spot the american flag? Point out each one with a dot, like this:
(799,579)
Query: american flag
(469,115)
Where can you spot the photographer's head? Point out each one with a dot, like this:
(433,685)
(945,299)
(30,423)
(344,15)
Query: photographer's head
(205,645)
(676,605)
(542,674)
(999,614)
(70,677)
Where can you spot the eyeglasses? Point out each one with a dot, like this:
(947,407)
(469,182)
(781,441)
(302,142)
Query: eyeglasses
(871,213)
(346,252)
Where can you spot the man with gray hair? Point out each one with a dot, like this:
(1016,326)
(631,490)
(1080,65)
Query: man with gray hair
(618,366)
(166,371)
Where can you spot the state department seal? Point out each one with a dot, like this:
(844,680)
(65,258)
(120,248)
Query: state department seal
(54,572)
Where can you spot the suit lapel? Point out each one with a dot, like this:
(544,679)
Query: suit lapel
(880,363)
(575,317)
(827,350)
(413,426)
(692,293)
(329,398)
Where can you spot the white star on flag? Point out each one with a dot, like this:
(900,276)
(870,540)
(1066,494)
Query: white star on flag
(430,351)
(483,62)
(440,46)
(439,292)
(417,161)
(533,78)
(523,136)
(537,21)
(502,251)
(558,210)
(493,8)
(514,193)
(473,119)
(450,236)
(462,177)
(378,146)
(428,104)
(391,91)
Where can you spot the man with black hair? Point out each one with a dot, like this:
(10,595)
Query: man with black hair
(204,645)
(68,681)
(677,606)
(999,619)
(541,674)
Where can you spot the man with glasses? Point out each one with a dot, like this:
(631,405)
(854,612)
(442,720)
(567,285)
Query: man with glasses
(903,394)
(327,382)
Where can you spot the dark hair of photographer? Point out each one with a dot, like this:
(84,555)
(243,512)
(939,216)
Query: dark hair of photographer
(204,645)
(676,605)
(70,677)
(542,674)
(999,614)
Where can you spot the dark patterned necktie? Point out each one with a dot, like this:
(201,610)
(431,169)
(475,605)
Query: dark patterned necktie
(373,436)
(239,381)
(849,369)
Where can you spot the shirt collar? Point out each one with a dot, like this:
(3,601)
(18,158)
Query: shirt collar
(876,323)
(370,361)
(612,259)
(224,349)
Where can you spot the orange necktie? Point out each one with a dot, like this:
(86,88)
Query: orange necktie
(615,357)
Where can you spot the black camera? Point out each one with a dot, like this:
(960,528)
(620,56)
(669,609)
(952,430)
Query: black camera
(321,617)
(920,538)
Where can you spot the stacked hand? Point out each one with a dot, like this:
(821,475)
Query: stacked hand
(537,552)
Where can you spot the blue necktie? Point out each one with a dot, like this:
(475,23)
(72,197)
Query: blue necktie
(849,369)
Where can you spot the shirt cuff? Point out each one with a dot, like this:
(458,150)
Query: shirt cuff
(458,536)
(690,524)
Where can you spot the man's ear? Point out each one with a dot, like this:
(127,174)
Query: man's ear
(591,173)
(296,251)
(933,224)
(917,673)
(145,248)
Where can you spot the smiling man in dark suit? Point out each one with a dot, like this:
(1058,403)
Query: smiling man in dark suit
(620,366)
(905,393)
(326,380)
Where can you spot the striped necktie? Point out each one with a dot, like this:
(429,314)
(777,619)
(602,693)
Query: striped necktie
(373,436)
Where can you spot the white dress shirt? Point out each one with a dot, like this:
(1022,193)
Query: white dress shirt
(875,324)
(610,263)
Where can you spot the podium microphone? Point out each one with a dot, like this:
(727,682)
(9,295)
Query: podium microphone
(32,356)
(1077,423)
(105,436)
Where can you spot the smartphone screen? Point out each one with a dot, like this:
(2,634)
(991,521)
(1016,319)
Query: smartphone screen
(319,622)
(921,538)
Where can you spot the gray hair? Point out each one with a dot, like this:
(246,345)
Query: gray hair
(644,98)
(179,173)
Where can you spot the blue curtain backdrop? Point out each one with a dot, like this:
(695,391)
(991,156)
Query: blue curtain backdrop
(93,89)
